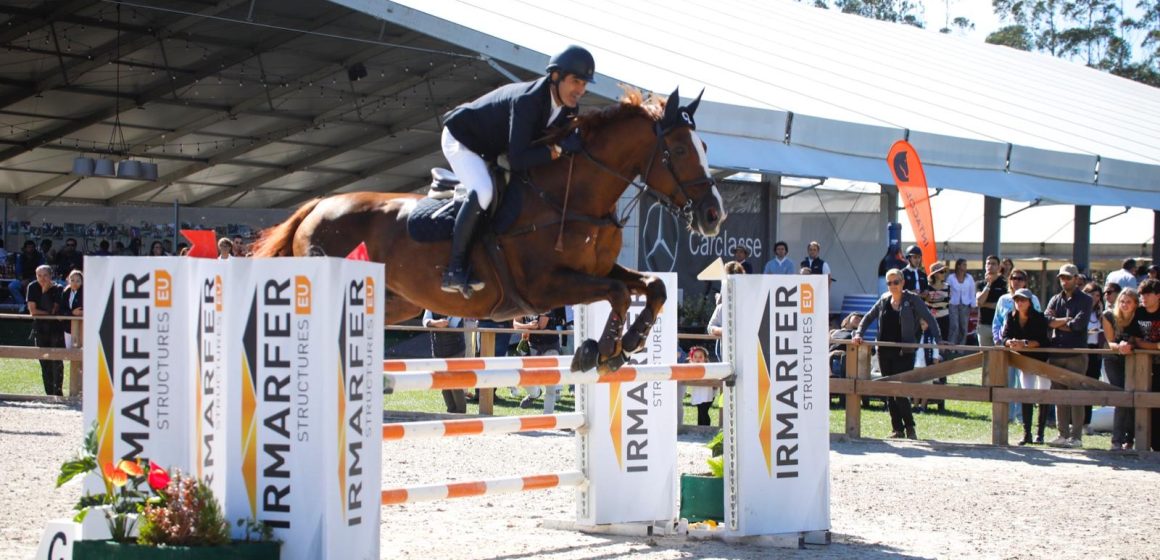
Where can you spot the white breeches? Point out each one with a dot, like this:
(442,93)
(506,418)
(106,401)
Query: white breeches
(469,168)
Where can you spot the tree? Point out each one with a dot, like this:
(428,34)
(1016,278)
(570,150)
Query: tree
(898,11)
(1092,31)
(1014,36)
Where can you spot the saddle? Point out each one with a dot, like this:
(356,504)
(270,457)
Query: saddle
(433,218)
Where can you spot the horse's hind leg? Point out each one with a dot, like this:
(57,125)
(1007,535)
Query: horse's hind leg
(655,295)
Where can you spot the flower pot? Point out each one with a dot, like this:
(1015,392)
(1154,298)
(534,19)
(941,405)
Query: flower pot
(702,497)
(110,550)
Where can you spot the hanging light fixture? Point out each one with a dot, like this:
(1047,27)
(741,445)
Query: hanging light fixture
(128,168)
(84,166)
(149,171)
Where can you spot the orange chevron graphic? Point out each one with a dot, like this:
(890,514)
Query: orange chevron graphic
(764,409)
(104,407)
(615,419)
(199,417)
(249,437)
(341,435)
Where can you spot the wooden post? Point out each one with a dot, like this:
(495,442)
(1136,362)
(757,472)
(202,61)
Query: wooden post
(75,379)
(995,373)
(856,356)
(1139,380)
(486,396)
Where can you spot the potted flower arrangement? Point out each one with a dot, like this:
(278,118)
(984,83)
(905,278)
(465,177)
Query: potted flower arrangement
(703,495)
(152,514)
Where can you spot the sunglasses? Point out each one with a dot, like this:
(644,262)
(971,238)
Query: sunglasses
(1019,278)
(894,282)
(1111,291)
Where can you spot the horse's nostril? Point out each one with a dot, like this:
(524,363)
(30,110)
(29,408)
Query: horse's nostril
(712,215)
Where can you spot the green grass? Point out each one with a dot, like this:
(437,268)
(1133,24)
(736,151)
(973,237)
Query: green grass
(22,377)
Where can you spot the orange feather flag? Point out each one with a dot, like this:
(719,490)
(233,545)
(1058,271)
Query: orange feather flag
(911,180)
(204,243)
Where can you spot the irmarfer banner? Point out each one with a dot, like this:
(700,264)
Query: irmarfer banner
(777,435)
(630,446)
(911,181)
(304,402)
(137,382)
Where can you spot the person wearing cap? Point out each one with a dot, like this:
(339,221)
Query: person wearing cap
(990,289)
(914,274)
(780,264)
(1067,315)
(741,256)
(1017,280)
(899,314)
(1147,319)
(508,121)
(1153,272)
(1024,327)
(1125,277)
(938,296)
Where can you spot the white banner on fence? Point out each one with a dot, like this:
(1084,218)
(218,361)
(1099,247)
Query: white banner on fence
(778,435)
(276,373)
(207,278)
(354,409)
(137,381)
(630,450)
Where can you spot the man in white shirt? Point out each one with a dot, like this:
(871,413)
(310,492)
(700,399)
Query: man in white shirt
(780,264)
(1125,276)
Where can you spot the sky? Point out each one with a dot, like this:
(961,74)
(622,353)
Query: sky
(978,11)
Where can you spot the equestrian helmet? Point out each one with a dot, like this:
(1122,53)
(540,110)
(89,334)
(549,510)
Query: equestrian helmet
(576,61)
(913,250)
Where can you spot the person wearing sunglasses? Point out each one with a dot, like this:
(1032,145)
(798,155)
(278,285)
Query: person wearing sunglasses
(1119,328)
(1025,328)
(1017,280)
(899,315)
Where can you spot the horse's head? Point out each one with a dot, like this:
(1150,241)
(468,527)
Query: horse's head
(679,169)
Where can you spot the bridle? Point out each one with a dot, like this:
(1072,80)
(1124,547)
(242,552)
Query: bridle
(682,212)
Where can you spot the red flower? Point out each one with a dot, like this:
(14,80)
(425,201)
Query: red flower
(158,478)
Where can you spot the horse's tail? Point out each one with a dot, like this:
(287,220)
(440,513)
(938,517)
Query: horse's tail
(278,241)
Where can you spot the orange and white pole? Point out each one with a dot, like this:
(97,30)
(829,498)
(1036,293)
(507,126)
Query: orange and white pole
(397,382)
(432,492)
(477,426)
(462,364)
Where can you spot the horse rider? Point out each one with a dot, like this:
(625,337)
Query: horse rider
(507,121)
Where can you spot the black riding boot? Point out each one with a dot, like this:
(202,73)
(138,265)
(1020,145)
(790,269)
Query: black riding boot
(455,278)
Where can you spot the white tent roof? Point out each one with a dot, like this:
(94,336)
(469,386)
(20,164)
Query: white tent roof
(798,90)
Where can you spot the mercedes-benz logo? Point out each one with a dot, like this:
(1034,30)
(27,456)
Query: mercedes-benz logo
(659,237)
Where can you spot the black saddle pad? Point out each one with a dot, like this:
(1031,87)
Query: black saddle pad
(434,219)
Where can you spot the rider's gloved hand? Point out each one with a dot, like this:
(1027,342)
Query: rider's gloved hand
(572,143)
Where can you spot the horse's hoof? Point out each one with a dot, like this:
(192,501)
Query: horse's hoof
(587,356)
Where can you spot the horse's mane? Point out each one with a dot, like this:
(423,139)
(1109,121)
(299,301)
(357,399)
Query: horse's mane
(633,103)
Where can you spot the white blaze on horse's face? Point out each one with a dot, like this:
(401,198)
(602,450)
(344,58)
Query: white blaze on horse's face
(703,157)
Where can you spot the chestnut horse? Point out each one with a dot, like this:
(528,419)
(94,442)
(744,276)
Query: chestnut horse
(655,140)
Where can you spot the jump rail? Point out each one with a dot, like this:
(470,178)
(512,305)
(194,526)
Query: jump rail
(491,378)
(432,492)
(473,427)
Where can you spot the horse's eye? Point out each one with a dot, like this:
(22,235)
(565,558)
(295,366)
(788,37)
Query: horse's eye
(680,151)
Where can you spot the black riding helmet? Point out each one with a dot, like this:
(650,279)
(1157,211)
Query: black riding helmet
(576,61)
(913,250)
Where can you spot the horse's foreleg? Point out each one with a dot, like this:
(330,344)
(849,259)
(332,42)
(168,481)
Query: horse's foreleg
(655,295)
(581,288)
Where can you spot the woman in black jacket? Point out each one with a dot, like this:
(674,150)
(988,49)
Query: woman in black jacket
(72,302)
(899,314)
(1026,328)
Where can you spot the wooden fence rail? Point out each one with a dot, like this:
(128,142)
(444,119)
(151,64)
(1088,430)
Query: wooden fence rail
(994,361)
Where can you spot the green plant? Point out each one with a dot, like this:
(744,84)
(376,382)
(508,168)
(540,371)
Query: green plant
(128,486)
(695,311)
(259,530)
(717,461)
(189,515)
